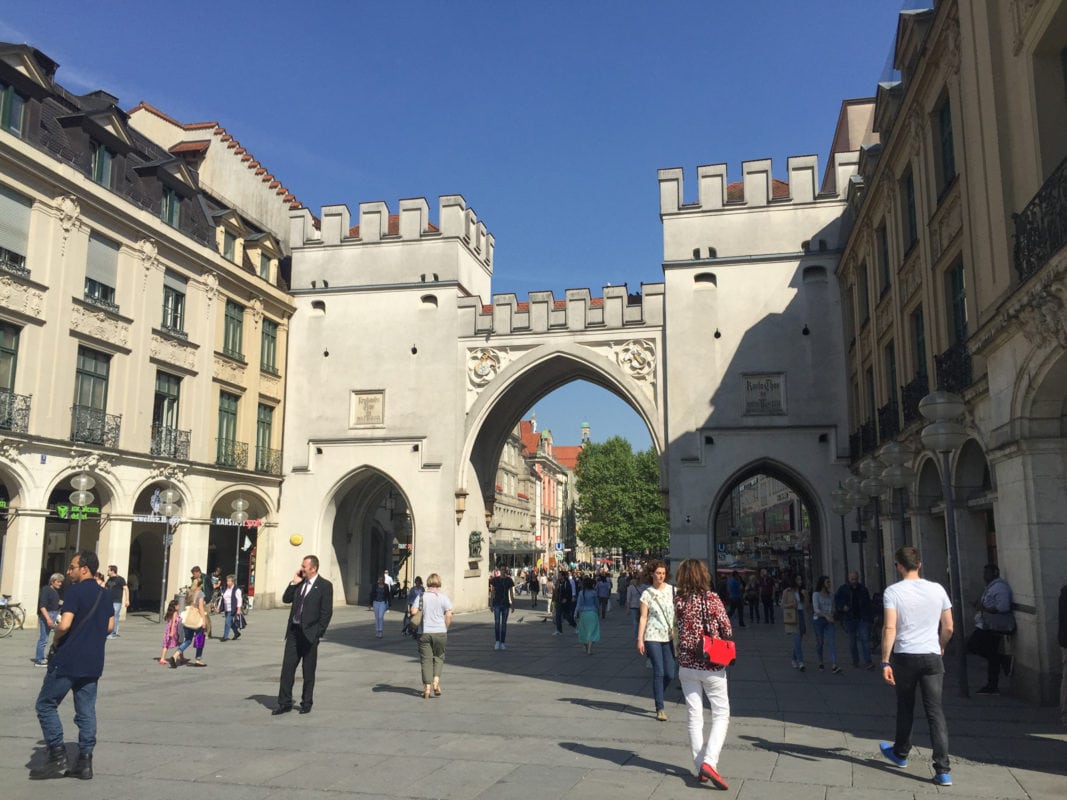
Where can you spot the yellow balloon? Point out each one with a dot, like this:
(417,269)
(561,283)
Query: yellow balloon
(296,540)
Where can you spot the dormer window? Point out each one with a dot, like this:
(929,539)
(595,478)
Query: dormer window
(11,110)
(229,246)
(170,208)
(264,266)
(102,160)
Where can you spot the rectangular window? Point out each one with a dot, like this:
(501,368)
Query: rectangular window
(849,294)
(233,333)
(90,379)
(957,301)
(918,341)
(11,110)
(268,353)
(883,258)
(264,423)
(14,231)
(101,168)
(891,372)
(9,350)
(170,207)
(946,148)
(911,220)
(229,245)
(168,395)
(227,427)
(101,270)
(174,287)
(864,289)
(264,267)
(872,404)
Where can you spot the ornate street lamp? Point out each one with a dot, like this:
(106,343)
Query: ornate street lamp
(840,507)
(169,509)
(898,476)
(857,500)
(944,435)
(240,516)
(80,498)
(874,487)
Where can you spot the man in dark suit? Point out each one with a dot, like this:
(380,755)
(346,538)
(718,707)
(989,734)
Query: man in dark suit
(312,607)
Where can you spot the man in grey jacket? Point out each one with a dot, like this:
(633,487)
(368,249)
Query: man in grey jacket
(993,621)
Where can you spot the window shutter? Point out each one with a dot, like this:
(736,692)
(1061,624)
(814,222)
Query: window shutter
(103,262)
(175,282)
(14,221)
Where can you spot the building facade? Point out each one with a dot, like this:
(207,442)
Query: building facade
(143,326)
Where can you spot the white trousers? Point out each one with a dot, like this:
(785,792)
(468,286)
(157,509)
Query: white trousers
(695,684)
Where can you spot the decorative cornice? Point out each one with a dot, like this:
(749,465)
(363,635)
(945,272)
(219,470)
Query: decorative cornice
(230,371)
(172,352)
(100,325)
(20,298)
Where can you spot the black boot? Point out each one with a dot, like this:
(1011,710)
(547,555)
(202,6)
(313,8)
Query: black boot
(83,767)
(54,767)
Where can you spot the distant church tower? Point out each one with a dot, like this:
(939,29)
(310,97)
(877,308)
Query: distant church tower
(585,434)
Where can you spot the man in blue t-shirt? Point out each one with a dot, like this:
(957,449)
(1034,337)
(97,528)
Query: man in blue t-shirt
(78,663)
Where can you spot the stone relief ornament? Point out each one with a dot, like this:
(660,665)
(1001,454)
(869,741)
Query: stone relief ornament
(637,357)
(257,311)
(91,462)
(15,296)
(170,472)
(1044,318)
(148,253)
(69,211)
(211,290)
(10,449)
(227,370)
(100,326)
(172,352)
(483,365)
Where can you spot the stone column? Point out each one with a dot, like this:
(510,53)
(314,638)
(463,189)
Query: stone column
(23,548)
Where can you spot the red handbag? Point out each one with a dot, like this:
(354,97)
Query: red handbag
(717,652)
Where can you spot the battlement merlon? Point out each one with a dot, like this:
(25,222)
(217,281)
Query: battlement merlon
(456,221)
(757,184)
(579,311)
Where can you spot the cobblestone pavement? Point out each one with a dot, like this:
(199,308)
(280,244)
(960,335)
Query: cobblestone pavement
(538,720)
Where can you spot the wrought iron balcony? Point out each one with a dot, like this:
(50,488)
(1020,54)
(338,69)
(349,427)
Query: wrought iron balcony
(1041,227)
(862,441)
(229,453)
(14,412)
(910,395)
(888,421)
(94,426)
(954,368)
(268,461)
(170,443)
(13,263)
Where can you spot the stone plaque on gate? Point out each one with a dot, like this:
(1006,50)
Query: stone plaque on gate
(367,410)
(764,393)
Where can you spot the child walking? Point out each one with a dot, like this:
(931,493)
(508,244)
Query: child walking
(170,631)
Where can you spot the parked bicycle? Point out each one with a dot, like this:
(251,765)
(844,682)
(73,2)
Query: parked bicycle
(12,615)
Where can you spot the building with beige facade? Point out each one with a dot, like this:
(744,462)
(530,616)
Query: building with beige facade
(954,279)
(143,325)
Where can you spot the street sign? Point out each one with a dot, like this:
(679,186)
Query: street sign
(721,547)
(559,547)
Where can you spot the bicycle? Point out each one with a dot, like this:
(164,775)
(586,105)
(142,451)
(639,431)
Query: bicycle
(12,615)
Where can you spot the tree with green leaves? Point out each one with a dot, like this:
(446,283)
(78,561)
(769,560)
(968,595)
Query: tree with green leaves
(618,498)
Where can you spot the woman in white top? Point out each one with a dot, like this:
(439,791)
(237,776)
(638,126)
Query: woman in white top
(822,611)
(656,630)
(433,634)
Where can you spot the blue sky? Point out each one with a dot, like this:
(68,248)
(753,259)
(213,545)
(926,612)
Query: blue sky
(550,117)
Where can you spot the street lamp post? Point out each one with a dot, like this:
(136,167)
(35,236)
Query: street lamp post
(79,498)
(240,516)
(944,435)
(169,508)
(898,475)
(873,486)
(857,500)
(840,506)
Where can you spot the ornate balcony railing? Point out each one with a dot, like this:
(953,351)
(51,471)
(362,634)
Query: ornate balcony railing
(863,441)
(268,461)
(229,453)
(170,443)
(910,395)
(888,421)
(954,368)
(14,263)
(94,426)
(14,412)
(101,302)
(1041,227)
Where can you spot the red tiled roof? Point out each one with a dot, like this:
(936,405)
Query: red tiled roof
(735,192)
(567,455)
(198,146)
(394,227)
(530,438)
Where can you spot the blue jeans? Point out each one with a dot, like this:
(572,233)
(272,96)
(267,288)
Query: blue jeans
(53,690)
(824,632)
(118,610)
(926,672)
(663,668)
(227,625)
(798,638)
(635,617)
(500,622)
(189,634)
(859,631)
(42,640)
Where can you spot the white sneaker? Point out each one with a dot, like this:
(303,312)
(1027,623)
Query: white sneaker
(503,646)
(556,633)
(496,645)
(794,663)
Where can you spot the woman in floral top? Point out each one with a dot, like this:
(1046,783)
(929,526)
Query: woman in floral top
(655,630)
(699,611)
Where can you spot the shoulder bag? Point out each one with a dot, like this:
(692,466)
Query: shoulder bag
(416,616)
(77,624)
(192,618)
(717,652)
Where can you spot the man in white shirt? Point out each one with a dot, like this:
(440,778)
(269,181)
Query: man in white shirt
(918,625)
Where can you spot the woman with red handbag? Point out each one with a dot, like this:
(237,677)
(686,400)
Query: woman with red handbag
(700,613)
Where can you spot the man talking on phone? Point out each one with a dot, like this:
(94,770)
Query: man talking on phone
(309,616)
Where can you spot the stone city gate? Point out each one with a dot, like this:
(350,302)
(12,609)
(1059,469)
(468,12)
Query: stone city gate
(405,383)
